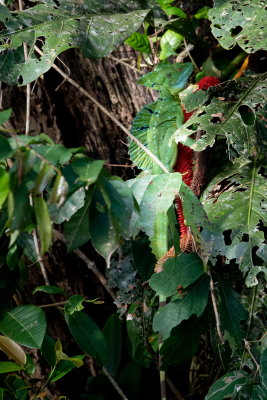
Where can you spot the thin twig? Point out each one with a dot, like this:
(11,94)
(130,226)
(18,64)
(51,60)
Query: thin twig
(189,55)
(114,383)
(89,263)
(120,165)
(174,389)
(184,53)
(215,309)
(38,252)
(126,64)
(28,87)
(247,346)
(106,112)
(58,303)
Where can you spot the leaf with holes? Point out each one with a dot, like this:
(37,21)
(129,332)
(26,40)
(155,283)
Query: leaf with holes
(55,29)
(240,22)
(236,204)
(231,113)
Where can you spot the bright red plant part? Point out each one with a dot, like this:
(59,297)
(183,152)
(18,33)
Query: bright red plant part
(184,165)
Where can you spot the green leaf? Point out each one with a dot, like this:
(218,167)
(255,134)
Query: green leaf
(43,222)
(5,115)
(176,311)
(56,154)
(4,185)
(17,386)
(77,228)
(180,271)
(88,170)
(237,215)
(139,42)
(231,311)
(233,23)
(9,366)
(183,341)
(202,13)
(25,325)
(5,149)
(224,116)
(158,198)
(64,367)
(48,350)
(175,11)
(63,27)
(263,370)
(49,289)
(75,303)
(169,42)
(87,335)
(71,206)
(227,386)
(113,335)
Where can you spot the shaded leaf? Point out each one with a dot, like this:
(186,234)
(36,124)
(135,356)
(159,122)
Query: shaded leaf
(9,366)
(5,115)
(65,366)
(71,206)
(75,303)
(49,289)
(231,311)
(17,387)
(180,271)
(233,23)
(88,170)
(4,185)
(25,325)
(113,335)
(176,311)
(263,370)
(87,335)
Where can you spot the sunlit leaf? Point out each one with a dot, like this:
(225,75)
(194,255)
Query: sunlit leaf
(12,350)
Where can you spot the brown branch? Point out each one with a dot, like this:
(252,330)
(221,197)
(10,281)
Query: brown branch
(215,309)
(90,264)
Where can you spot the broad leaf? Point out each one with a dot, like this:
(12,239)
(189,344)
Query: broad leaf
(194,302)
(61,27)
(237,215)
(180,271)
(64,367)
(71,206)
(5,149)
(227,386)
(87,335)
(75,303)
(77,228)
(169,42)
(5,115)
(241,23)
(231,311)
(139,42)
(88,170)
(232,118)
(25,325)
(157,199)
(183,341)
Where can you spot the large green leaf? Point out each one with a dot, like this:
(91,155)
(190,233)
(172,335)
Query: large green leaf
(237,214)
(87,335)
(60,28)
(5,149)
(240,22)
(157,199)
(180,271)
(231,311)
(87,169)
(228,386)
(231,113)
(71,206)
(9,366)
(194,302)
(25,325)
